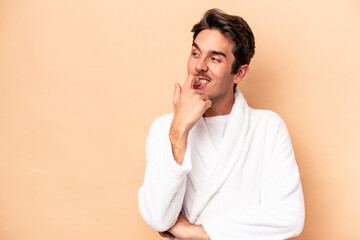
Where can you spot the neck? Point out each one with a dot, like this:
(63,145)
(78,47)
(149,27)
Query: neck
(221,106)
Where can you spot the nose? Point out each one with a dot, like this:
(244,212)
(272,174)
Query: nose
(201,66)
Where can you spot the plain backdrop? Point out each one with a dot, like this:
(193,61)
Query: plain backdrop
(81,82)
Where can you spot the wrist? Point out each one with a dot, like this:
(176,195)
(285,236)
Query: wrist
(177,125)
(178,134)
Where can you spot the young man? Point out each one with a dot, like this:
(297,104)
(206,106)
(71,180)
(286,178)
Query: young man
(216,168)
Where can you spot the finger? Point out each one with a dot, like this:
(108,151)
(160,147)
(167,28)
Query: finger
(166,235)
(188,82)
(163,234)
(208,104)
(177,92)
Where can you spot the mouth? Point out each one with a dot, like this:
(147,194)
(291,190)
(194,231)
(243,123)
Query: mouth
(201,82)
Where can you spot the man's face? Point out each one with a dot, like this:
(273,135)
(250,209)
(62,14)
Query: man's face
(210,63)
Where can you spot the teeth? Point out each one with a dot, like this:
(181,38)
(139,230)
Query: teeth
(203,81)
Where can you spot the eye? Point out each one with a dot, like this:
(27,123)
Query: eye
(195,54)
(215,59)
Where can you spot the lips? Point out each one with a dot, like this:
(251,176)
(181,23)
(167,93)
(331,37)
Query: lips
(201,82)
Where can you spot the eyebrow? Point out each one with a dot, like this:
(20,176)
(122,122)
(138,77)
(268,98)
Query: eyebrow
(212,52)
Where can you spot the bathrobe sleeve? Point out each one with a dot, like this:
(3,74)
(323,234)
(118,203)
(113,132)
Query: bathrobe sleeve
(162,193)
(280,213)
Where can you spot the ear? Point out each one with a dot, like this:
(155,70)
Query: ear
(243,70)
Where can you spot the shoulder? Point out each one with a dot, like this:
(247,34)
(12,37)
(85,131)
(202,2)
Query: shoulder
(161,124)
(267,119)
(162,121)
(271,129)
(266,115)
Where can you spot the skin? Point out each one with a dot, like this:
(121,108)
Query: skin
(211,59)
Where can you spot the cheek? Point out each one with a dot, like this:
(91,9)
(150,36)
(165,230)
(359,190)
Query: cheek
(223,76)
(216,72)
(222,72)
(190,65)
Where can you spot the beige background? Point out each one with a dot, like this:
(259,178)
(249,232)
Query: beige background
(81,81)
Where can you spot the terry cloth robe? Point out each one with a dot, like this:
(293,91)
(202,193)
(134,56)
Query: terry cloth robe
(249,188)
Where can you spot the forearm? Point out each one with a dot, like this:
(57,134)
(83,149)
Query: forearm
(178,139)
(161,195)
(257,222)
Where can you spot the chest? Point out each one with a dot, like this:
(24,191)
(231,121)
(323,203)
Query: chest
(242,186)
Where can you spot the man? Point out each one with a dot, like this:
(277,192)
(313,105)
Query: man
(216,168)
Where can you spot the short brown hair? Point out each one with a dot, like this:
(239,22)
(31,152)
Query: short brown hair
(235,29)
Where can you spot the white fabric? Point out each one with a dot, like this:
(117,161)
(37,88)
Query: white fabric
(216,128)
(247,189)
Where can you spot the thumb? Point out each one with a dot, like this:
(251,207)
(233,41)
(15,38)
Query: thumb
(177,92)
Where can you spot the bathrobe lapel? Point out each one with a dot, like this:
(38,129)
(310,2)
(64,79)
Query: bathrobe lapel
(218,164)
(203,146)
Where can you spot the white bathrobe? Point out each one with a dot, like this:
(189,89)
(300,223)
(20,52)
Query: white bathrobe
(249,188)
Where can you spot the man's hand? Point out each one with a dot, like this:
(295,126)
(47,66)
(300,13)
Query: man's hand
(185,230)
(189,106)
